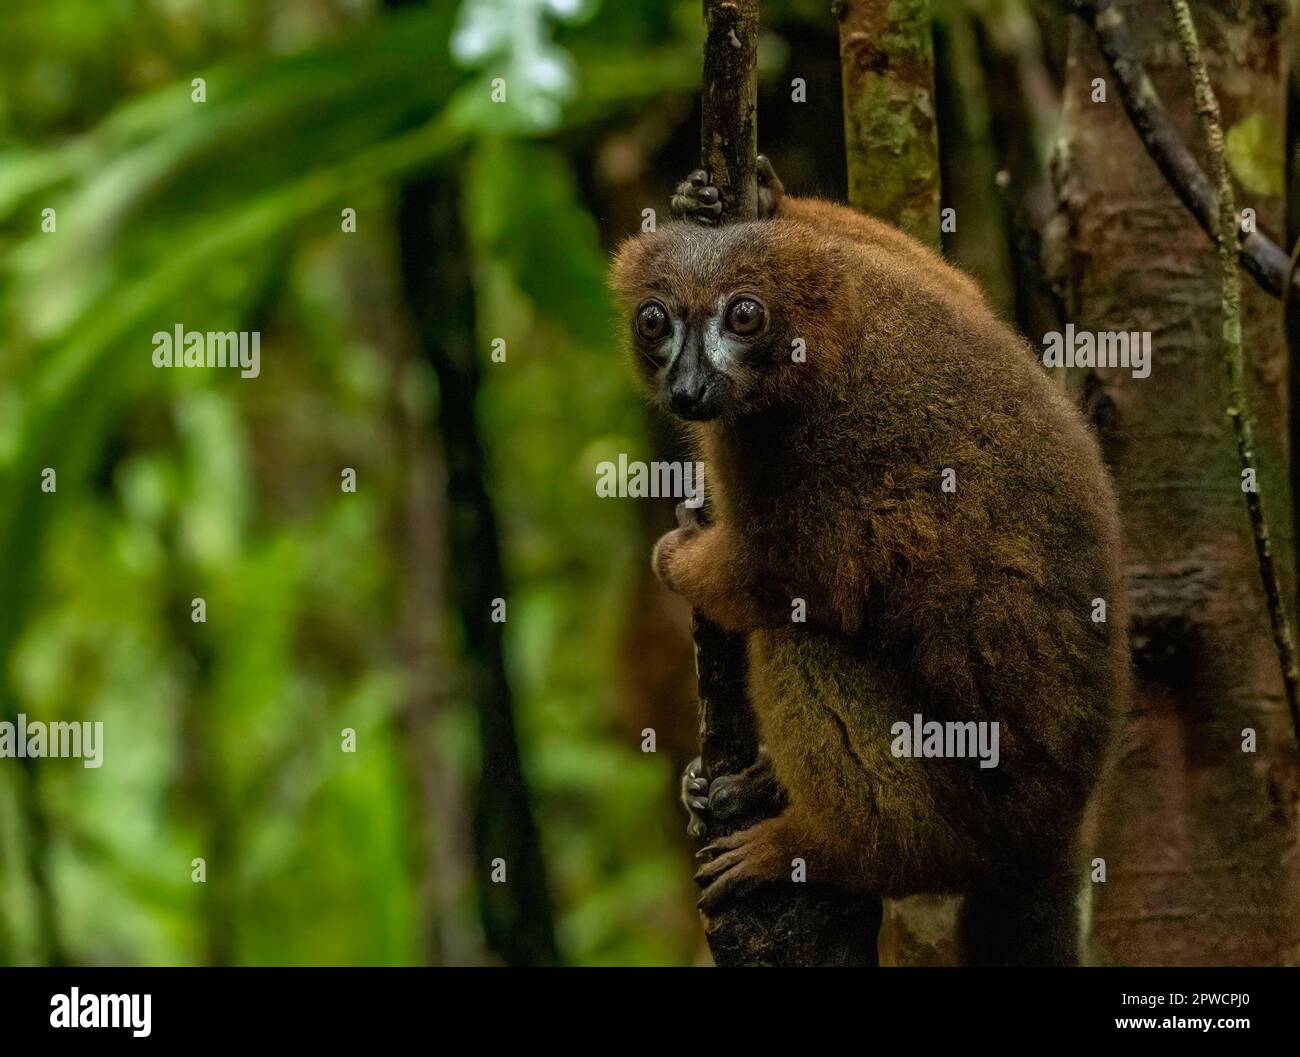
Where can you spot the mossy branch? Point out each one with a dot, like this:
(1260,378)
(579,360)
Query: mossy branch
(1234,359)
(891,137)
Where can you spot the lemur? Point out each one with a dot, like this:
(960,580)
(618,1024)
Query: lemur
(886,457)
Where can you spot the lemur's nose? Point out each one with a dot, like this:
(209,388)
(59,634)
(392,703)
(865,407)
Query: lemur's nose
(685,399)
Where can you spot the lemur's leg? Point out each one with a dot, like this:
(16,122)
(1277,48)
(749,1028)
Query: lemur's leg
(859,817)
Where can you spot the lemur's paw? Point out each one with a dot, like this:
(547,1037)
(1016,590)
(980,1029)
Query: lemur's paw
(697,199)
(722,800)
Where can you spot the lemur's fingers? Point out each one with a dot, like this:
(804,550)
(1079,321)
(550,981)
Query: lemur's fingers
(723,880)
(697,199)
(719,864)
(727,797)
(744,798)
(715,848)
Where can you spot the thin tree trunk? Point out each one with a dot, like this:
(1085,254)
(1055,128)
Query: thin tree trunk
(892,145)
(35,842)
(1199,836)
(808,924)
(516,912)
(441,845)
(201,781)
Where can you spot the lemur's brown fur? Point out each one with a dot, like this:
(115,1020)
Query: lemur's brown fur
(825,484)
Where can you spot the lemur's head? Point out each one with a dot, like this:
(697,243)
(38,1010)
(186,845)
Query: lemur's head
(718,318)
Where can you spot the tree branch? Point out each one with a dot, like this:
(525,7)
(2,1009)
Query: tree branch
(728,145)
(1266,262)
(729,108)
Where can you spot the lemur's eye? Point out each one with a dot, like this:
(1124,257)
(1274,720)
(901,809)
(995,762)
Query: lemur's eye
(745,316)
(652,322)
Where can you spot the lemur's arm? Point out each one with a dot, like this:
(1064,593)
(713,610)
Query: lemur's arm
(702,564)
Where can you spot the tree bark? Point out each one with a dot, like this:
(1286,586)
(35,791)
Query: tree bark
(729,108)
(1163,140)
(1199,837)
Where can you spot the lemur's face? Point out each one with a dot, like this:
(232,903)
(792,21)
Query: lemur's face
(698,355)
(699,307)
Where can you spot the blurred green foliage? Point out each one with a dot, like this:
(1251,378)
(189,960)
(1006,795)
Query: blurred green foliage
(223,737)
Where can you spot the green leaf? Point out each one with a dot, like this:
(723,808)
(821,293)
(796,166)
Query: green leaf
(1255,155)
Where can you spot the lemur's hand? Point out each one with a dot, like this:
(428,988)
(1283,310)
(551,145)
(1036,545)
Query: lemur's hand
(730,800)
(697,199)
(690,527)
(770,189)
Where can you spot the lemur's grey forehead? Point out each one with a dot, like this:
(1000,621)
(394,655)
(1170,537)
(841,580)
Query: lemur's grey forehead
(715,256)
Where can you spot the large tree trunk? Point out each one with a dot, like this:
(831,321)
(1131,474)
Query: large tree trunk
(1199,837)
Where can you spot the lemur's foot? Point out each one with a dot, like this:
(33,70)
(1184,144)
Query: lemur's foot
(730,800)
(695,798)
(739,863)
(697,199)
